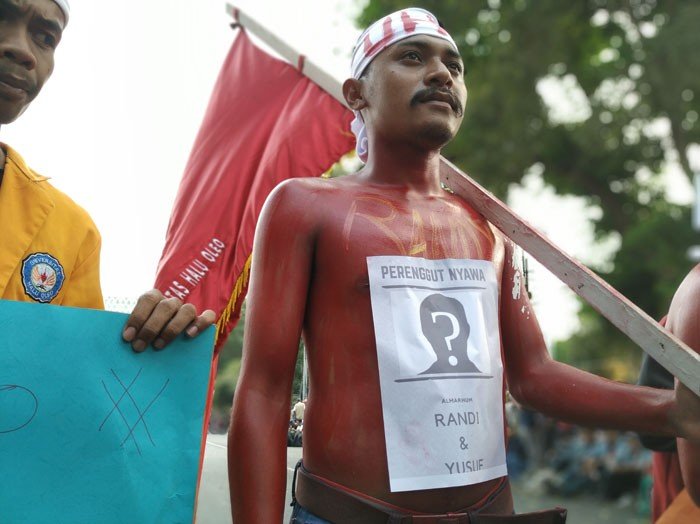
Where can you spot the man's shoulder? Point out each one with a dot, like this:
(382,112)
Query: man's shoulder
(312,193)
(684,312)
(317,184)
(691,283)
(64,207)
(687,296)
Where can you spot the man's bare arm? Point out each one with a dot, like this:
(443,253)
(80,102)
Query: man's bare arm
(280,276)
(567,393)
(684,322)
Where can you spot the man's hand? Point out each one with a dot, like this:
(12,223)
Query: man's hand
(685,414)
(159,320)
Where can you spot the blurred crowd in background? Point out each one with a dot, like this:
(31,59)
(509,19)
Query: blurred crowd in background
(560,459)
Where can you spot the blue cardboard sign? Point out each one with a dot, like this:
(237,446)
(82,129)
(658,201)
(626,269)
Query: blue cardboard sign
(91,431)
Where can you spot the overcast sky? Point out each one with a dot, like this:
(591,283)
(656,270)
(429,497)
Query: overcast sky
(114,126)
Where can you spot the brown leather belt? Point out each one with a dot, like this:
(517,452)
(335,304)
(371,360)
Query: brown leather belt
(344,507)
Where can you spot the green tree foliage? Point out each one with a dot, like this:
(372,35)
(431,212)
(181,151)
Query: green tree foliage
(632,65)
(229,368)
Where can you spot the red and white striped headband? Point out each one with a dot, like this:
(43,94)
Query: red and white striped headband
(380,35)
(389,30)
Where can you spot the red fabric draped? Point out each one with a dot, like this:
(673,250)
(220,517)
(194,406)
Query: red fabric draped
(266,122)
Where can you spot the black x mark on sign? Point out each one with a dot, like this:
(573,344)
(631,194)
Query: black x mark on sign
(140,419)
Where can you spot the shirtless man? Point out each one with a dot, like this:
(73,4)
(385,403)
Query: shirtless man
(676,462)
(683,320)
(388,428)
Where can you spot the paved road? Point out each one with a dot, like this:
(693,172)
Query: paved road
(214,506)
(584,509)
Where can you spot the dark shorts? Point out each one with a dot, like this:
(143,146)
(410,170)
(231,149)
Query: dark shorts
(302,516)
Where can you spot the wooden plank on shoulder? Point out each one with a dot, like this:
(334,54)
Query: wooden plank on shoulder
(661,345)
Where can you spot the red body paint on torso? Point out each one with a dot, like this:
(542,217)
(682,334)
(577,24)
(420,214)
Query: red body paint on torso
(343,433)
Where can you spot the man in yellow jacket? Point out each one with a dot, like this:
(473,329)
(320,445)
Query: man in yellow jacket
(49,246)
(50,249)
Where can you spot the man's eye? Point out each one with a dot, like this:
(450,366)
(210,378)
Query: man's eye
(47,39)
(412,55)
(455,66)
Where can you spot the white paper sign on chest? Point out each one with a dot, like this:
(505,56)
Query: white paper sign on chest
(441,374)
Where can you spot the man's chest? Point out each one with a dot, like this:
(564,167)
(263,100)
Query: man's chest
(370,225)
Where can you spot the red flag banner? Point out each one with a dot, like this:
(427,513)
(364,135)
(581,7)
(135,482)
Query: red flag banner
(266,122)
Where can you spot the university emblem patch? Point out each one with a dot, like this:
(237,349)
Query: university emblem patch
(42,277)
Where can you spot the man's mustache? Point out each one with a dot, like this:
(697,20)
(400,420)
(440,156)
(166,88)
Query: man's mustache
(434,93)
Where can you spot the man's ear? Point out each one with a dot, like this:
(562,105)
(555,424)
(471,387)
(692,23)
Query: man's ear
(352,91)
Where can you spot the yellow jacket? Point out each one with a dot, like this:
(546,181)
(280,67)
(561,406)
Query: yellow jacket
(49,246)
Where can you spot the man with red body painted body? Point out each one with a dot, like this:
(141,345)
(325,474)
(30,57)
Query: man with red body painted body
(676,462)
(683,320)
(411,307)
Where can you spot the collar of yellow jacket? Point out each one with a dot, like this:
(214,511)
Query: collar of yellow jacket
(14,160)
(25,205)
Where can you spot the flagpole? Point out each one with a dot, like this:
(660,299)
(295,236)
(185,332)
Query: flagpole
(327,82)
(661,345)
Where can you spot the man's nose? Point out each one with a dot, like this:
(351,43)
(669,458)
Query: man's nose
(438,74)
(16,47)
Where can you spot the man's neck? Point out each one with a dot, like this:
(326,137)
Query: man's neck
(418,170)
